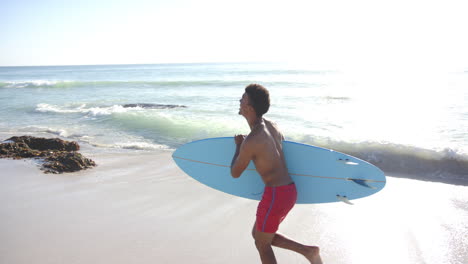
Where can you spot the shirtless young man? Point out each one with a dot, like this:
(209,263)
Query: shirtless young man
(264,146)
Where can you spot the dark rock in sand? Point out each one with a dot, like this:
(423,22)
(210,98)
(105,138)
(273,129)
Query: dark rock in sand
(59,155)
(67,162)
(154,106)
(46,143)
(18,151)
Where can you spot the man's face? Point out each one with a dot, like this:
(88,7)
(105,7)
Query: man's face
(244,104)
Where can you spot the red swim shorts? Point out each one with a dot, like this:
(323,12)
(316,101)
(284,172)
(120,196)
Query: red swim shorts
(274,206)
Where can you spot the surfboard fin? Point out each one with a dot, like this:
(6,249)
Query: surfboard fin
(344,199)
(362,183)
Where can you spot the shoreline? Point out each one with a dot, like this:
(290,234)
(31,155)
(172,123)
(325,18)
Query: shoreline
(449,170)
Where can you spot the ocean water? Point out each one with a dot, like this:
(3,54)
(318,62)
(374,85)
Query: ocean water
(409,123)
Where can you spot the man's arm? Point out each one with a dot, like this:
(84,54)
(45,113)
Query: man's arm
(241,158)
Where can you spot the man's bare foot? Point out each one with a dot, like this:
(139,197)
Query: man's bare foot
(313,255)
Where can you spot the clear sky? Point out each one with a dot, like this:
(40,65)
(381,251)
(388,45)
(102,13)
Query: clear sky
(349,33)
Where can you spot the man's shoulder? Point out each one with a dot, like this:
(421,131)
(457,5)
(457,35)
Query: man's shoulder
(271,125)
(256,138)
(269,122)
(253,137)
(273,129)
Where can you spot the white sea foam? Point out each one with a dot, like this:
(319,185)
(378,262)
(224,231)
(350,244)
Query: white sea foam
(58,132)
(97,111)
(140,146)
(69,132)
(88,111)
(32,83)
(53,109)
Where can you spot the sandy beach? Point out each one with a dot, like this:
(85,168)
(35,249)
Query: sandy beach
(139,207)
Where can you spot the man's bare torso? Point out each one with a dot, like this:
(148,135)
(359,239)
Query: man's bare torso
(268,155)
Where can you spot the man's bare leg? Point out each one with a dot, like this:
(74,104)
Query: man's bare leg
(310,252)
(277,240)
(263,244)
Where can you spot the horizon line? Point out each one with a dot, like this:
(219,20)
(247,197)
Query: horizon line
(156,63)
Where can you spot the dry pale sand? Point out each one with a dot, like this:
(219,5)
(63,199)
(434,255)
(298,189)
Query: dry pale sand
(140,208)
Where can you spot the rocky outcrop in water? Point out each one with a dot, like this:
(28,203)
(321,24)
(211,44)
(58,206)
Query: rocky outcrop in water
(58,155)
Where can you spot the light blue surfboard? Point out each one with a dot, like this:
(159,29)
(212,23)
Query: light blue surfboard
(321,175)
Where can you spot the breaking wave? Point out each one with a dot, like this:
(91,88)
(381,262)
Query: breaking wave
(446,165)
(101,110)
